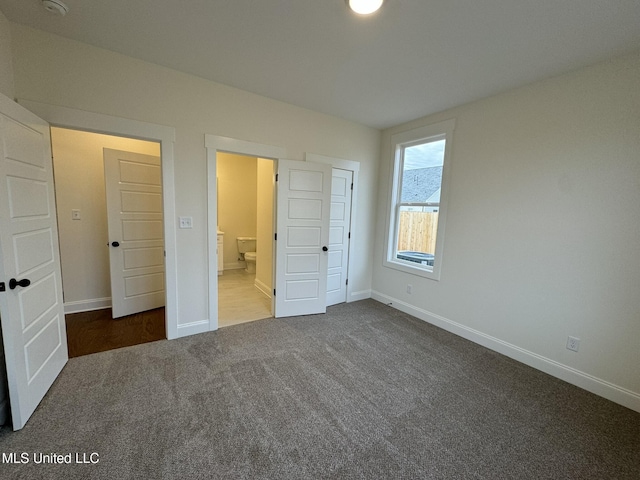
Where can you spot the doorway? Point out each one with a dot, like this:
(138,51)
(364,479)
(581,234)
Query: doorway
(215,144)
(86,247)
(245,211)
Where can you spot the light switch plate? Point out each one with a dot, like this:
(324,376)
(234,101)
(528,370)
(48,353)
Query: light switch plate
(186,222)
(75,214)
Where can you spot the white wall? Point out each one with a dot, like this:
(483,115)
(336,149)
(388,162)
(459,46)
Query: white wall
(79,178)
(543,228)
(264,227)
(6,58)
(237,199)
(54,70)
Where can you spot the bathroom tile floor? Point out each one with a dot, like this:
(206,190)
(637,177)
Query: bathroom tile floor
(239,301)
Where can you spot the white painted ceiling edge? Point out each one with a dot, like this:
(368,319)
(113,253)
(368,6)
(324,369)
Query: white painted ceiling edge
(409,59)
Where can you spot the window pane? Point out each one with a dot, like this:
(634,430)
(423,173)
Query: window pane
(422,172)
(417,228)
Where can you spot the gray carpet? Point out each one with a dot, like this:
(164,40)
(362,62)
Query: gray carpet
(364,392)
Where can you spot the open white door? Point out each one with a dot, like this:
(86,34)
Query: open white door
(133,184)
(31,304)
(303,209)
(340,222)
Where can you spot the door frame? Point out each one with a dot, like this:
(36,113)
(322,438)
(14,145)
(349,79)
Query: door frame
(215,144)
(354,167)
(106,124)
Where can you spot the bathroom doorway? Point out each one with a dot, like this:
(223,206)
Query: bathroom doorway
(245,210)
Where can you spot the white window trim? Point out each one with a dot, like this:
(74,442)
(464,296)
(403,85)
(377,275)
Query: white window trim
(403,139)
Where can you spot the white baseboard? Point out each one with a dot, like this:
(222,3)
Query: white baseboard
(264,288)
(87,305)
(235,266)
(193,328)
(575,377)
(361,295)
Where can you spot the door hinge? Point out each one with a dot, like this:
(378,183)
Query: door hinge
(349,236)
(2,287)
(347,282)
(276,177)
(275,236)
(351,185)
(274,292)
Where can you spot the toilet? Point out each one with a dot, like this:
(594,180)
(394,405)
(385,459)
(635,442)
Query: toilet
(247,250)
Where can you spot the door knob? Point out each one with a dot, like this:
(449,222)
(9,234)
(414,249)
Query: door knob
(13,283)
(115,244)
(325,249)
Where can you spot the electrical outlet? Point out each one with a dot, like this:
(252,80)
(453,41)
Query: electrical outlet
(409,289)
(573,343)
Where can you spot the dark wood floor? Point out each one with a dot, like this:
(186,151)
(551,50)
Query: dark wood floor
(97,331)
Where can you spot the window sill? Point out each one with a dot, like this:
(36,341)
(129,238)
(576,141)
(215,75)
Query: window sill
(431,273)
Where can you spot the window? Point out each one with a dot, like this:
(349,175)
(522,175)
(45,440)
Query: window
(418,206)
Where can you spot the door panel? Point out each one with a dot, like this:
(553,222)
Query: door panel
(339,236)
(300,237)
(143,284)
(33,329)
(303,263)
(143,257)
(33,249)
(134,203)
(303,210)
(36,300)
(139,230)
(28,198)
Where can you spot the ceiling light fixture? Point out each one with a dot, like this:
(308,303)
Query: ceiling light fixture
(364,7)
(56,7)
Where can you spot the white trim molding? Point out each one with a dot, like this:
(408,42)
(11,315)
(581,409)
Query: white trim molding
(193,328)
(360,295)
(570,375)
(87,305)
(263,288)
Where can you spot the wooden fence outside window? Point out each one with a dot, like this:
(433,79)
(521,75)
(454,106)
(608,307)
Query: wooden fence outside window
(417,231)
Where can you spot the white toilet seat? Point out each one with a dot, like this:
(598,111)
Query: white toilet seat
(250,256)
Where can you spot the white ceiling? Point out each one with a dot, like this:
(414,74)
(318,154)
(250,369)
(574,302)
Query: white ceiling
(412,58)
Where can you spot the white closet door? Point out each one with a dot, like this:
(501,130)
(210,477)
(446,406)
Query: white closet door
(303,212)
(340,222)
(133,184)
